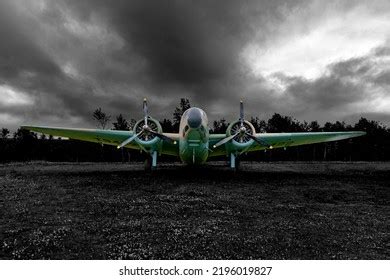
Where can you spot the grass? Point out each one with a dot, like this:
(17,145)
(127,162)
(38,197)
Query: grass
(268,211)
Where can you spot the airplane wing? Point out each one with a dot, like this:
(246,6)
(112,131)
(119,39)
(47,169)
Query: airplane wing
(102,136)
(281,140)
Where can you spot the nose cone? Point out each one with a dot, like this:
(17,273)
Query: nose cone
(194,118)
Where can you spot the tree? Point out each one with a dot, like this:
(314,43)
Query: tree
(183,106)
(26,144)
(259,125)
(4,133)
(279,123)
(302,126)
(376,144)
(101,118)
(24,135)
(371,127)
(121,123)
(314,127)
(337,126)
(220,126)
(167,126)
(132,123)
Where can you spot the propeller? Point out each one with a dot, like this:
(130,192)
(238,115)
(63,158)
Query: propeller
(146,130)
(145,108)
(261,142)
(128,140)
(242,132)
(242,113)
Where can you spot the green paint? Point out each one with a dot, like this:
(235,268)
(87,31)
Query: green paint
(195,145)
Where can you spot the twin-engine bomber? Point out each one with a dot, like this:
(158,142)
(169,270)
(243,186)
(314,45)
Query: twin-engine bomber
(193,144)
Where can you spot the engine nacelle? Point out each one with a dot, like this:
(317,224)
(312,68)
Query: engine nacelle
(147,139)
(241,141)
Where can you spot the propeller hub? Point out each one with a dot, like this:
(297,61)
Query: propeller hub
(242,129)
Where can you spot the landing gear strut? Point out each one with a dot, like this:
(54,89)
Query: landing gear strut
(151,161)
(234,162)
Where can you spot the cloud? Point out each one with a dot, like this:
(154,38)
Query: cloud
(19,52)
(317,35)
(349,87)
(11,97)
(309,59)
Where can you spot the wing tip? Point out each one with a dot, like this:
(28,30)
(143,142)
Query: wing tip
(31,127)
(26,127)
(360,133)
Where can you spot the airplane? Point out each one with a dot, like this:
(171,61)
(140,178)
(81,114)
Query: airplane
(193,144)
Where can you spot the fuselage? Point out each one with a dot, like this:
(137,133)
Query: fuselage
(194,136)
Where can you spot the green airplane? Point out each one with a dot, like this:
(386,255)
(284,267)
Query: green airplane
(193,144)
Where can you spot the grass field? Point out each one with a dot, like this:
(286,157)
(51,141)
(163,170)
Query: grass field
(267,211)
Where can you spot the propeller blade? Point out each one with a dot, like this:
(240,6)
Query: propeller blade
(163,137)
(241,113)
(145,107)
(261,142)
(225,140)
(130,139)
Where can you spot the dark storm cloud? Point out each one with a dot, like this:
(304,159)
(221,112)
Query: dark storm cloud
(323,93)
(73,56)
(25,66)
(18,50)
(382,51)
(170,49)
(181,48)
(346,83)
(383,78)
(188,42)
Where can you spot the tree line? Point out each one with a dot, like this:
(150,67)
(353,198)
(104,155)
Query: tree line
(375,146)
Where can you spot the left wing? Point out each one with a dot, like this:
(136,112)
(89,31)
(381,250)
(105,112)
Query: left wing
(101,136)
(280,140)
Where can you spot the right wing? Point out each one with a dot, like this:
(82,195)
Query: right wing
(280,140)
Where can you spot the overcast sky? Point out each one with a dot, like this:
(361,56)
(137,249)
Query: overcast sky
(313,60)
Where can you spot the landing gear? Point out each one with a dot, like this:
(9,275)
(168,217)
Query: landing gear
(234,162)
(151,161)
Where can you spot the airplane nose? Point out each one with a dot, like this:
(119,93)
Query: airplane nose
(194,118)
